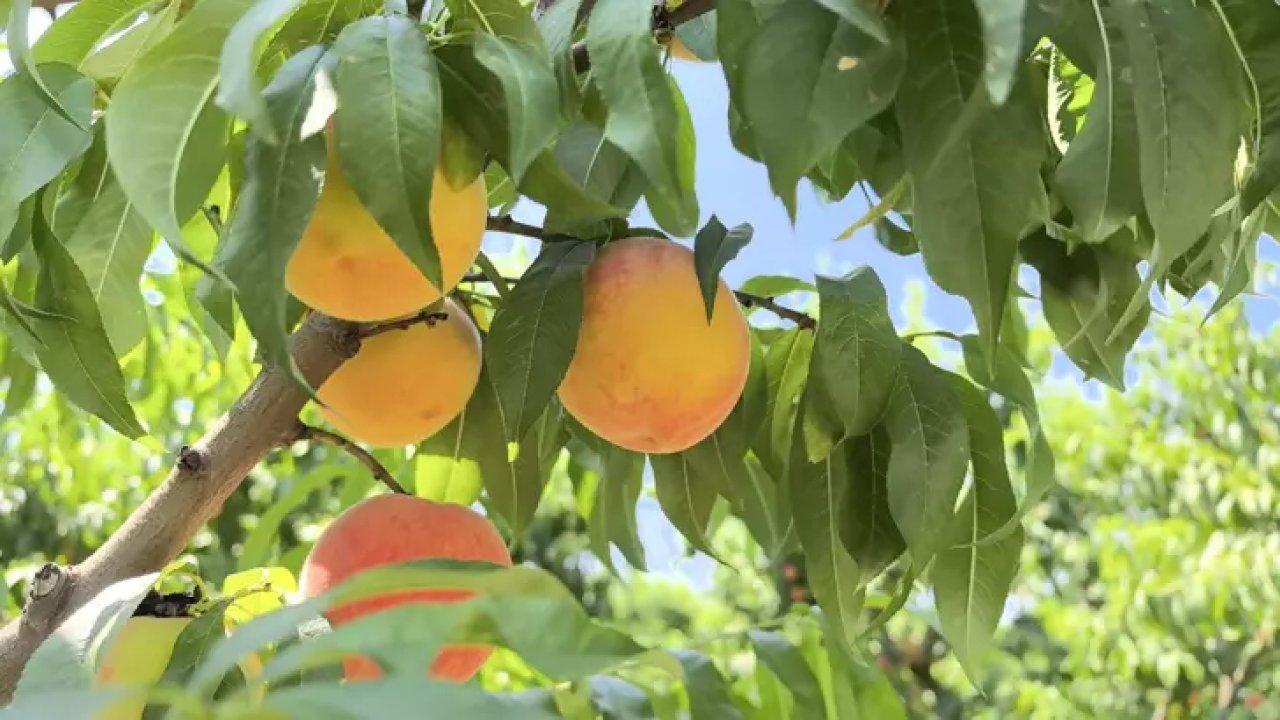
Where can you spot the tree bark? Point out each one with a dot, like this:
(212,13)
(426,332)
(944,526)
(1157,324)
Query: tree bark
(202,478)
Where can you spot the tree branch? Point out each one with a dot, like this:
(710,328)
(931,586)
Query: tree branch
(202,478)
(748,300)
(505,224)
(307,432)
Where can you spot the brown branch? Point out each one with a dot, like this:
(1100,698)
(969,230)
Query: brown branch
(748,301)
(505,224)
(204,475)
(315,434)
(425,317)
(664,22)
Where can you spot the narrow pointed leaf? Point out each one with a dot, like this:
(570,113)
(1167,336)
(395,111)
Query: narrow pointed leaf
(282,185)
(535,332)
(970,580)
(239,92)
(529,87)
(686,498)
(713,248)
(70,40)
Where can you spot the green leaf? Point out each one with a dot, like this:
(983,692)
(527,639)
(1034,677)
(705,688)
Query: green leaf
(774,285)
(713,248)
(819,494)
(110,243)
(281,187)
(868,531)
(76,353)
(644,112)
(1098,176)
(786,370)
(1186,98)
(978,193)
(22,383)
(1256,29)
(929,456)
(109,64)
(189,650)
(784,660)
(535,332)
(165,137)
(808,81)
(388,126)
(529,87)
(35,142)
(20,235)
(708,691)
(854,363)
(21,56)
(404,696)
(77,32)
(971,580)
(238,91)
(557,27)
(861,14)
(1084,296)
(1241,256)
(613,516)
(618,699)
(686,498)
(1003,30)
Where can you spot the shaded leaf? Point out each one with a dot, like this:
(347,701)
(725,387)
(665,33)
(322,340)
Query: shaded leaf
(35,142)
(529,86)
(868,530)
(929,456)
(854,363)
(784,660)
(808,81)
(686,498)
(709,697)
(972,580)
(976,181)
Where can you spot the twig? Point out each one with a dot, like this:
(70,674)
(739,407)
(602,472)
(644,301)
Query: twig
(315,434)
(910,337)
(425,317)
(505,224)
(802,319)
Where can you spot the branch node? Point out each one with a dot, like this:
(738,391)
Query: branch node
(44,596)
(191,460)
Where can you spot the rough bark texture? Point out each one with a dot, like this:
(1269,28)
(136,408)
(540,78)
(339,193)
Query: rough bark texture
(203,476)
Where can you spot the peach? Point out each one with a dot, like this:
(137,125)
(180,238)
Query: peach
(403,386)
(137,658)
(388,529)
(650,374)
(346,266)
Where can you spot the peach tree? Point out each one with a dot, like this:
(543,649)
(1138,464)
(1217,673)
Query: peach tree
(1117,148)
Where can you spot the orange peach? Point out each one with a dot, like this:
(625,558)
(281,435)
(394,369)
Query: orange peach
(650,374)
(346,266)
(388,529)
(403,386)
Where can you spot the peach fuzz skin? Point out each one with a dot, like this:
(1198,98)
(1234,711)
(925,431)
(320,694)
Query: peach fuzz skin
(346,266)
(403,386)
(650,374)
(389,529)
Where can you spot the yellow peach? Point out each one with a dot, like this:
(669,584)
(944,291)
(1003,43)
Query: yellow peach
(404,385)
(346,266)
(650,374)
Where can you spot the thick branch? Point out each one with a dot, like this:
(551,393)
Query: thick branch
(204,475)
(366,458)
